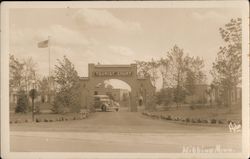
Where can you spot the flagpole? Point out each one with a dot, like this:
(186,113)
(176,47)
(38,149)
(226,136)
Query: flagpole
(49,66)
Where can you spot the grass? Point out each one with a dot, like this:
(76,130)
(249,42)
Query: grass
(218,113)
(43,117)
(42,106)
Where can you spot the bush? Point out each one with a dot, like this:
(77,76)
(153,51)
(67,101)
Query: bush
(38,120)
(22,102)
(199,120)
(169,118)
(10,122)
(176,119)
(187,120)
(220,122)
(205,121)
(16,121)
(50,120)
(46,120)
(193,121)
(213,121)
(26,121)
(192,107)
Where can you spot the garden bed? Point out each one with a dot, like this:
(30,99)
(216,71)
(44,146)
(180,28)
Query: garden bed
(16,118)
(190,120)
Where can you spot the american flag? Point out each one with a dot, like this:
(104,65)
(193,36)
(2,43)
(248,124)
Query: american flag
(43,44)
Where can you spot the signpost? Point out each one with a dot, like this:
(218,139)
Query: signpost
(33,94)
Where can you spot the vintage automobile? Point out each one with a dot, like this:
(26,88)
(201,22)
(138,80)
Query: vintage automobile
(104,103)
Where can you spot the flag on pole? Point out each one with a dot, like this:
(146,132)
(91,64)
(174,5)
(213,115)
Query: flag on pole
(43,44)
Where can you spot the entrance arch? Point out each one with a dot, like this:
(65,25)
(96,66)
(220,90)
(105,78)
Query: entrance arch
(119,91)
(140,87)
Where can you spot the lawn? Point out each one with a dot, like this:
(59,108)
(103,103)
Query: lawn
(218,113)
(44,117)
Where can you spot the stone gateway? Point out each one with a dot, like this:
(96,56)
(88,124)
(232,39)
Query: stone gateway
(142,89)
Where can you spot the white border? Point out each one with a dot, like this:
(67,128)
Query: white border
(6,6)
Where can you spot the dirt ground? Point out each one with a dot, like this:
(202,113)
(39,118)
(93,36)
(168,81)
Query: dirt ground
(121,131)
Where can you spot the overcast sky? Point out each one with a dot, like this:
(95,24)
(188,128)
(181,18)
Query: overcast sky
(115,36)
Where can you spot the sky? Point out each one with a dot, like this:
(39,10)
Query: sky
(117,35)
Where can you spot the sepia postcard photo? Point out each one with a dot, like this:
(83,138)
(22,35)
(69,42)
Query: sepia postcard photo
(125,79)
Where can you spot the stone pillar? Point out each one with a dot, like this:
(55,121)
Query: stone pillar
(133,103)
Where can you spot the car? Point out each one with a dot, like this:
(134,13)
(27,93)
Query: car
(104,103)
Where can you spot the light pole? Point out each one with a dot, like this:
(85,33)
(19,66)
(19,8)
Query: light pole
(32,94)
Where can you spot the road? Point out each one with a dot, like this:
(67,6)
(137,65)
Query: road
(118,132)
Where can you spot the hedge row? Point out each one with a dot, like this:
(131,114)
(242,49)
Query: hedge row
(187,120)
(57,119)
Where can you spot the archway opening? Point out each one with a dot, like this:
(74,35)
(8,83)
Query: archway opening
(117,90)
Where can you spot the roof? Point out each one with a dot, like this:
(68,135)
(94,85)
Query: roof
(100,96)
(99,65)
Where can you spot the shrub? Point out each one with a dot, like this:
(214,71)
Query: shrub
(50,120)
(38,120)
(26,121)
(66,119)
(169,118)
(16,121)
(46,120)
(164,117)
(74,118)
(193,121)
(220,122)
(199,120)
(192,107)
(10,122)
(22,102)
(187,120)
(205,121)
(213,121)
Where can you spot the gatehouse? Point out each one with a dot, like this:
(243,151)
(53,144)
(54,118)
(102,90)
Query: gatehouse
(140,87)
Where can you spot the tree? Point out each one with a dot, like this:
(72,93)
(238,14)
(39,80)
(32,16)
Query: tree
(67,95)
(142,69)
(194,74)
(164,68)
(177,73)
(15,68)
(164,96)
(153,71)
(44,88)
(148,69)
(29,73)
(226,70)
(22,102)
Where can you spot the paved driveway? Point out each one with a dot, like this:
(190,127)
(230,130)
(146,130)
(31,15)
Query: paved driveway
(119,132)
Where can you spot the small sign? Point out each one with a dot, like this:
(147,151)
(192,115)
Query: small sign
(112,73)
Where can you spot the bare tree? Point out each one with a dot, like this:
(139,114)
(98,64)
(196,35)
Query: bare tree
(164,68)
(148,69)
(29,73)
